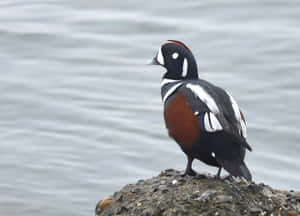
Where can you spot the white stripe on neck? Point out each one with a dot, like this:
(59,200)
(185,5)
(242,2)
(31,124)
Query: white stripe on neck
(167,81)
(170,91)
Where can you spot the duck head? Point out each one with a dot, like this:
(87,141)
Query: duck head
(178,59)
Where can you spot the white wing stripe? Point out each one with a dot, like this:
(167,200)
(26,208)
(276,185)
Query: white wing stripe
(235,107)
(211,123)
(215,122)
(205,97)
(237,113)
(207,124)
(244,129)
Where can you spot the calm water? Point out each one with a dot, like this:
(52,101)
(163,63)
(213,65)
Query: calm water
(81,114)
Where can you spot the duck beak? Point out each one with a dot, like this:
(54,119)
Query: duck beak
(154,61)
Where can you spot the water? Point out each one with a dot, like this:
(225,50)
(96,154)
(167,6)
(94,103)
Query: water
(81,113)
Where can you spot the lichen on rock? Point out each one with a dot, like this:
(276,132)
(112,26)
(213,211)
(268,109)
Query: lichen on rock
(171,194)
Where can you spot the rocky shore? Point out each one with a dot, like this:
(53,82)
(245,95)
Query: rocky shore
(170,194)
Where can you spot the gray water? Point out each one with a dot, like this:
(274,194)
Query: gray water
(81,114)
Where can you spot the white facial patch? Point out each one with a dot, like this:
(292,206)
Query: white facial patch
(204,96)
(184,67)
(160,57)
(175,55)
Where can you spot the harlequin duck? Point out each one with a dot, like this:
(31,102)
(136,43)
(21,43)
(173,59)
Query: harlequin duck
(203,119)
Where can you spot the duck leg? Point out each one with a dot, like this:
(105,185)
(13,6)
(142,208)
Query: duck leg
(189,170)
(219,172)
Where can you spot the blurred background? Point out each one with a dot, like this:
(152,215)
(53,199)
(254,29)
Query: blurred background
(81,113)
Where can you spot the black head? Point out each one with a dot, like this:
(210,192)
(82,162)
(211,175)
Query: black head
(178,59)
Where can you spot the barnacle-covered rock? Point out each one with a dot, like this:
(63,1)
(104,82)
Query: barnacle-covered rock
(170,194)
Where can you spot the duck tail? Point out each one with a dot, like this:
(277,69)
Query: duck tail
(237,170)
(230,154)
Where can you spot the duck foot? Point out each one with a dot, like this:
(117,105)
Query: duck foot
(200,176)
(229,177)
(188,169)
(189,172)
(218,175)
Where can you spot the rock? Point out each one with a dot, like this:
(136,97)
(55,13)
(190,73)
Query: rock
(174,182)
(267,192)
(207,195)
(146,214)
(121,210)
(293,213)
(172,194)
(254,210)
(223,198)
(118,196)
(254,188)
(103,204)
(294,197)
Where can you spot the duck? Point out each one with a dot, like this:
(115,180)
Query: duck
(203,119)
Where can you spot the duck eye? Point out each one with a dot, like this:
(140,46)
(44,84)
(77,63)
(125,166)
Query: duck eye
(175,55)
